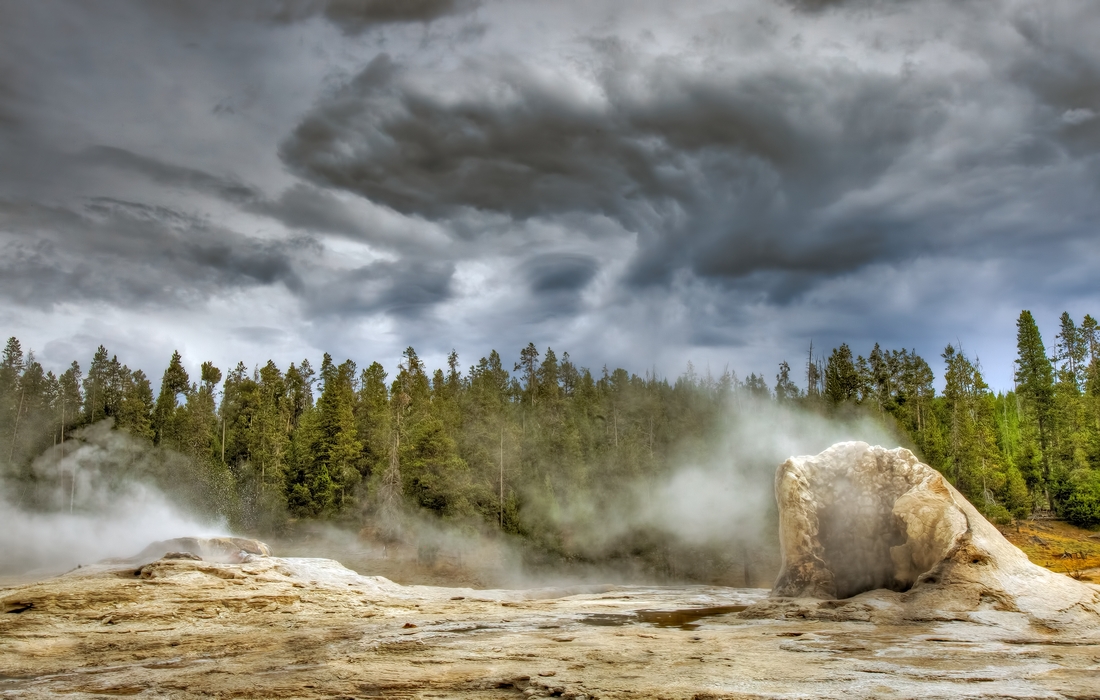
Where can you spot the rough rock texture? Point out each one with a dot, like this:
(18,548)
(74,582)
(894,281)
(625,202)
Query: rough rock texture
(309,628)
(977,619)
(227,550)
(857,518)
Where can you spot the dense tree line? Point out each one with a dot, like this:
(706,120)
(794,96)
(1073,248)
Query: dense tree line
(1034,448)
(509,446)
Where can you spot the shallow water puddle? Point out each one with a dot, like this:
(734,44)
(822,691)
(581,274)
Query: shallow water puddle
(683,618)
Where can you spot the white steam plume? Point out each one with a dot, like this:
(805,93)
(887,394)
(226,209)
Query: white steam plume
(93,497)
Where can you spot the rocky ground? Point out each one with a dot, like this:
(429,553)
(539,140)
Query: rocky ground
(933,602)
(303,628)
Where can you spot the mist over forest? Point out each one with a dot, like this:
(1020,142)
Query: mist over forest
(667,478)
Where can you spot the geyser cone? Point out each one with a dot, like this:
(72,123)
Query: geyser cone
(858,518)
(227,550)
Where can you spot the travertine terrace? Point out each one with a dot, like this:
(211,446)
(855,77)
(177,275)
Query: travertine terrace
(252,625)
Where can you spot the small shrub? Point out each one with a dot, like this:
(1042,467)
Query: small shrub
(1082,506)
(998,514)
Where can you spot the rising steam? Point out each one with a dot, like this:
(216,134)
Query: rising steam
(711,512)
(95,496)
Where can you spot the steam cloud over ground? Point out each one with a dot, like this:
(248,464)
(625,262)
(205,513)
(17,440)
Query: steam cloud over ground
(724,496)
(114,508)
(719,502)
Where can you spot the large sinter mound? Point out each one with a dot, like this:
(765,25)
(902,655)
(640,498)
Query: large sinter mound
(858,518)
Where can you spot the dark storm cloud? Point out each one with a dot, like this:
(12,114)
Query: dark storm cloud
(405,288)
(560,272)
(403,146)
(356,16)
(628,181)
(129,254)
(718,173)
(1062,71)
(353,16)
(816,6)
(8,98)
(169,174)
(311,209)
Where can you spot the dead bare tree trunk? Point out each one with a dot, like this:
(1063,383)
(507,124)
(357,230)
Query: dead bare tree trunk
(15,430)
(390,490)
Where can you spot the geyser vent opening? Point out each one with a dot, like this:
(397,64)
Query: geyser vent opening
(859,536)
(858,518)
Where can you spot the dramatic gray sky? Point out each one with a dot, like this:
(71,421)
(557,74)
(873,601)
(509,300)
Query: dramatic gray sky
(639,183)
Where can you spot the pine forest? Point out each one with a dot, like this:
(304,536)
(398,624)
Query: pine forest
(504,447)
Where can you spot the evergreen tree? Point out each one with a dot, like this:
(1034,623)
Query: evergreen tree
(270,429)
(915,393)
(569,375)
(95,387)
(842,382)
(33,413)
(755,386)
(240,401)
(373,420)
(69,400)
(1082,502)
(135,415)
(1071,352)
(785,389)
(309,488)
(299,390)
(881,380)
(339,449)
(1091,336)
(547,386)
(528,362)
(454,376)
(201,437)
(11,369)
(973,461)
(1035,386)
(169,420)
(425,459)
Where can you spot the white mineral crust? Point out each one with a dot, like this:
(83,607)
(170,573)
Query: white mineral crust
(857,519)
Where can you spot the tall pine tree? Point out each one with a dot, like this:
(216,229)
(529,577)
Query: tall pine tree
(1035,386)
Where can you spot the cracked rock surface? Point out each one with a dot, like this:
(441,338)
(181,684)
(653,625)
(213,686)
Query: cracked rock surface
(309,628)
(967,616)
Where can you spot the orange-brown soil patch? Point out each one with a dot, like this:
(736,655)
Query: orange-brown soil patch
(1058,546)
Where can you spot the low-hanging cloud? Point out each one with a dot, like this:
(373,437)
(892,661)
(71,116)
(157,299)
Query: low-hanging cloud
(129,253)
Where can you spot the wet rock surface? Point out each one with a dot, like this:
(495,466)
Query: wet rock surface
(184,625)
(274,627)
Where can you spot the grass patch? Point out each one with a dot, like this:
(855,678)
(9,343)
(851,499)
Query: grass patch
(1058,546)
